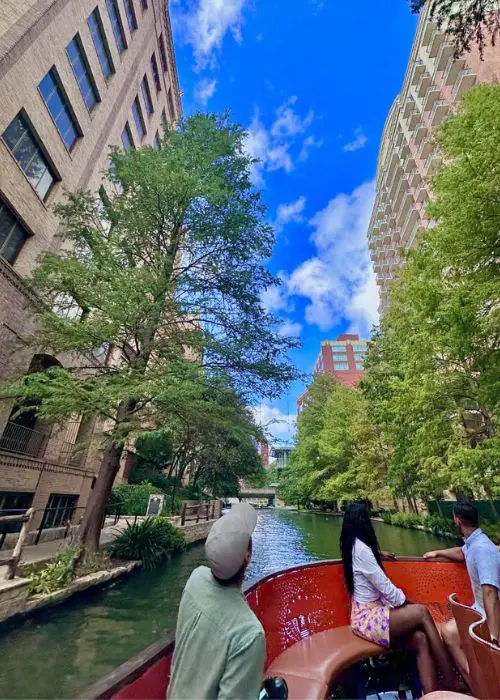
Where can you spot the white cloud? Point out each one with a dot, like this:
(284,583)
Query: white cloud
(308,144)
(276,298)
(204,24)
(273,145)
(290,328)
(338,280)
(276,424)
(204,90)
(358,142)
(289,212)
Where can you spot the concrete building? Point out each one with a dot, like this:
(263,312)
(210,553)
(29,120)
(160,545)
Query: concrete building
(76,77)
(433,83)
(281,454)
(342,358)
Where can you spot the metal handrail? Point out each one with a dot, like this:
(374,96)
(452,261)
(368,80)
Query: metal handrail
(21,440)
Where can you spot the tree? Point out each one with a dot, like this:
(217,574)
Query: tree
(466,22)
(173,289)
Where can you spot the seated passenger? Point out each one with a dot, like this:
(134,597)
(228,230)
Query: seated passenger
(379,610)
(483,565)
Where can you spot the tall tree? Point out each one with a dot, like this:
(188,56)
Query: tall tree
(467,22)
(173,288)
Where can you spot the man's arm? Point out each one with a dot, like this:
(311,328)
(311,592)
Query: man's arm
(244,672)
(453,554)
(492,608)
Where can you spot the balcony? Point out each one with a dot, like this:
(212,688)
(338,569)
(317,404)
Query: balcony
(402,188)
(406,203)
(407,228)
(425,148)
(415,178)
(423,83)
(24,441)
(409,106)
(431,97)
(421,193)
(409,163)
(445,52)
(438,112)
(413,235)
(452,70)
(465,80)
(428,32)
(419,133)
(435,43)
(418,69)
(432,163)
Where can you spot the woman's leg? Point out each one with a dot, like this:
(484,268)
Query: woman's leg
(425,663)
(451,638)
(409,618)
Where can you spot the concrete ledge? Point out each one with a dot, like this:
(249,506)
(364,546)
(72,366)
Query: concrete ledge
(196,532)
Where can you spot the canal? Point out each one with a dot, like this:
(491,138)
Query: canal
(61,651)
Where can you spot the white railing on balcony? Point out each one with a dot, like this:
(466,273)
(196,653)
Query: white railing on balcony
(423,83)
(467,74)
(441,106)
(21,440)
(418,67)
(452,69)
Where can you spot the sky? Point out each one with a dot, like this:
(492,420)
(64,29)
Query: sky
(312,81)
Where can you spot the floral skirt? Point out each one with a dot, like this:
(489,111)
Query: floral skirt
(371,621)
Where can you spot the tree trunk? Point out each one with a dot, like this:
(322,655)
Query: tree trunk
(90,528)
(395,504)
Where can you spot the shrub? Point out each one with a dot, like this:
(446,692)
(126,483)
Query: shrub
(492,530)
(151,541)
(55,575)
(130,499)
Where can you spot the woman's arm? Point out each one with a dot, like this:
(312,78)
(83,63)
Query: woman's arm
(366,563)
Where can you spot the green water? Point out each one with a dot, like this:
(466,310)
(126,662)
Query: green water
(61,651)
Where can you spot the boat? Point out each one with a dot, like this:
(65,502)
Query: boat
(305,614)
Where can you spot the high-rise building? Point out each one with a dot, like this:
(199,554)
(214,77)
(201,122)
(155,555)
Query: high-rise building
(342,358)
(76,77)
(433,83)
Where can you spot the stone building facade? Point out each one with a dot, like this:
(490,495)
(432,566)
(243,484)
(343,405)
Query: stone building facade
(433,83)
(76,77)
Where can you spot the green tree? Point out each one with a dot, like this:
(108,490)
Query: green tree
(173,289)
(466,22)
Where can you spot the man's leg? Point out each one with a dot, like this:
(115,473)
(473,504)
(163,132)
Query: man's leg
(450,636)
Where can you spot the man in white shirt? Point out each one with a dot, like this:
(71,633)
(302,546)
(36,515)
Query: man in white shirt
(219,642)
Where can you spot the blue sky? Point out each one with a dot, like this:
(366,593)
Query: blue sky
(312,80)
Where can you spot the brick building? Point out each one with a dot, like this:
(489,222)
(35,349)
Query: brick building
(76,77)
(433,83)
(342,358)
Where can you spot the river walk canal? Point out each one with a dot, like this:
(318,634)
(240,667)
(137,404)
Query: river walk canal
(61,651)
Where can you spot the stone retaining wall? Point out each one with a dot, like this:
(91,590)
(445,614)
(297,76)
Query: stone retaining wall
(196,532)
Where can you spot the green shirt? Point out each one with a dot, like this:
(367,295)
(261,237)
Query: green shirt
(219,643)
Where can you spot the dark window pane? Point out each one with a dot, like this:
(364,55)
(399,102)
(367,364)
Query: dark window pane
(156,142)
(131,19)
(139,122)
(147,95)
(163,117)
(81,69)
(144,4)
(100,43)
(59,109)
(163,56)
(12,234)
(25,150)
(127,137)
(14,132)
(156,75)
(116,24)
(171,105)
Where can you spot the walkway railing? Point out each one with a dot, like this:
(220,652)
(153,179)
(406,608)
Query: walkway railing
(197,512)
(15,557)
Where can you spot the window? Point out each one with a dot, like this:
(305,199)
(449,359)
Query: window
(163,118)
(13,503)
(157,142)
(359,347)
(127,140)
(340,365)
(156,75)
(138,118)
(12,234)
(163,55)
(59,108)
(359,356)
(81,69)
(144,4)
(100,43)
(59,510)
(147,95)
(65,306)
(171,105)
(339,348)
(131,18)
(24,146)
(101,353)
(339,358)
(359,366)
(103,205)
(116,24)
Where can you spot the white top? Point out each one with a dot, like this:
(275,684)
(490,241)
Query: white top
(370,582)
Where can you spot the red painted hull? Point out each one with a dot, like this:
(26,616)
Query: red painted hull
(294,604)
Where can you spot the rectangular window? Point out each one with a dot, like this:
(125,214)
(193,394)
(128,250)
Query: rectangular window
(339,348)
(156,75)
(25,148)
(157,142)
(163,55)
(116,24)
(100,43)
(359,366)
(131,18)
(127,140)
(81,69)
(341,366)
(339,358)
(138,118)
(163,118)
(13,503)
(171,105)
(144,4)
(59,510)
(359,347)
(12,234)
(359,356)
(146,94)
(59,108)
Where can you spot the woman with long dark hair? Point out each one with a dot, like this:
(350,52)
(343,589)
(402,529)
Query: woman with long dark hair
(380,611)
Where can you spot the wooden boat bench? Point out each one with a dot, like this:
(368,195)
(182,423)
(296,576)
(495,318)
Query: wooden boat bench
(311,666)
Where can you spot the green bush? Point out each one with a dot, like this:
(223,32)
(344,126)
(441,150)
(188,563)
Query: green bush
(150,541)
(141,475)
(492,530)
(55,575)
(130,499)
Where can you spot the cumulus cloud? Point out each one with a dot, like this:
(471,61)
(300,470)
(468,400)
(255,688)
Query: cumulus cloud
(289,212)
(204,24)
(358,142)
(276,424)
(276,298)
(204,90)
(308,144)
(273,145)
(290,328)
(338,280)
